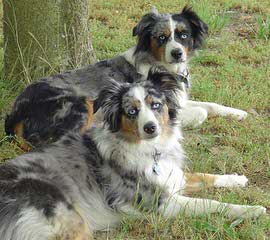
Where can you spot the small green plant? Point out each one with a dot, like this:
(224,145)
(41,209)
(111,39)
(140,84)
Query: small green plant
(263,28)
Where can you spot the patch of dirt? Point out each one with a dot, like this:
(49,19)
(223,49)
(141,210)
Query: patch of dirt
(101,18)
(256,113)
(266,112)
(243,25)
(246,9)
(253,112)
(229,151)
(210,63)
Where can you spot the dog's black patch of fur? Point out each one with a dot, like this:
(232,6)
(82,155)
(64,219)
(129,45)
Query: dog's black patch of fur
(143,31)
(110,101)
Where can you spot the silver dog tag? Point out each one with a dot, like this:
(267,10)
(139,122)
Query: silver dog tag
(156,168)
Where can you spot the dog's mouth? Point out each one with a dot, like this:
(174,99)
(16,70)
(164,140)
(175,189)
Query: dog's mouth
(149,136)
(177,61)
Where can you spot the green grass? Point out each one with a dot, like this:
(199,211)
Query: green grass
(263,28)
(232,69)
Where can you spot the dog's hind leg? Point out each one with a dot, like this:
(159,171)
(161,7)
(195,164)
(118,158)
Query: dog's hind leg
(64,223)
(198,181)
(37,209)
(174,205)
(67,224)
(214,109)
(18,131)
(89,116)
(43,113)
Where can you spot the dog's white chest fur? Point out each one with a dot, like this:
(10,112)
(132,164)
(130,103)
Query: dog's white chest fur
(167,175)
(164,172)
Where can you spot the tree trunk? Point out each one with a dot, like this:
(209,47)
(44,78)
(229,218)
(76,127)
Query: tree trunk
(45,36)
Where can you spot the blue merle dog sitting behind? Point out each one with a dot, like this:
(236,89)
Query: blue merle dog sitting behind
(52,106)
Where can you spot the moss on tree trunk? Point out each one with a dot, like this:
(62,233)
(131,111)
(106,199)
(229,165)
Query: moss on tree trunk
(43,37)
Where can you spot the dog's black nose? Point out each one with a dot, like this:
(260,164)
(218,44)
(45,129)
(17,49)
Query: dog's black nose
(177,53)
(150,127)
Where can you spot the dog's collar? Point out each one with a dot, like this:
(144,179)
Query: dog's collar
(184,77)
(155,168)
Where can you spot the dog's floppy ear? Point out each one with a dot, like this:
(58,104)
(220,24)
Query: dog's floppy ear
(167,83)
(110,101)
(163,79)
(145,23)
(199,28)
(143,31)
(154,10)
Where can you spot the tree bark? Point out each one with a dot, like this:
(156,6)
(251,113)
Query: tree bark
(45,36)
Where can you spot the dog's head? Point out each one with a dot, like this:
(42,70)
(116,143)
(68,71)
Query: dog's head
(144,110)
(170,38)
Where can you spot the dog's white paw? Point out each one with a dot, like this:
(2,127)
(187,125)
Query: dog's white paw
(235,113)
(239,114)
(231,181)
(245,211)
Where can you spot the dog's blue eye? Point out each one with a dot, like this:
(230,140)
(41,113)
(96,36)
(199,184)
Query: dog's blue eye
(156,106)
(184,36)
(162,37)
(132,112)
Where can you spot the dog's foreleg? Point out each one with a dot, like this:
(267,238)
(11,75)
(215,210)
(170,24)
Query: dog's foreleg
(175,205)
(198,181)
(215,109)
(192,117)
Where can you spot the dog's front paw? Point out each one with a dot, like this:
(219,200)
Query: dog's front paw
(246,211)
(231,181)
(238,114)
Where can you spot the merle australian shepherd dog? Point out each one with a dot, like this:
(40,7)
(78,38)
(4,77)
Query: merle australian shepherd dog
(50,107)
(132,161)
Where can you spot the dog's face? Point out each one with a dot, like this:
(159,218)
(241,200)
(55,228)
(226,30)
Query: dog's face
(170,38)
(141,111)
(144,112)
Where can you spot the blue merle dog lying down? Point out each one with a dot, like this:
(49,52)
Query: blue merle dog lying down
(50,107)
(132,161)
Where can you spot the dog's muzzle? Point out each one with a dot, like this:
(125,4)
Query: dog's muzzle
(151,129)
(177,54)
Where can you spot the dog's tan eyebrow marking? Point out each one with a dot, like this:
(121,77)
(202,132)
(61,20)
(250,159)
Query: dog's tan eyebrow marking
(136,103)
(180,27)
(167,32)
(149,99)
